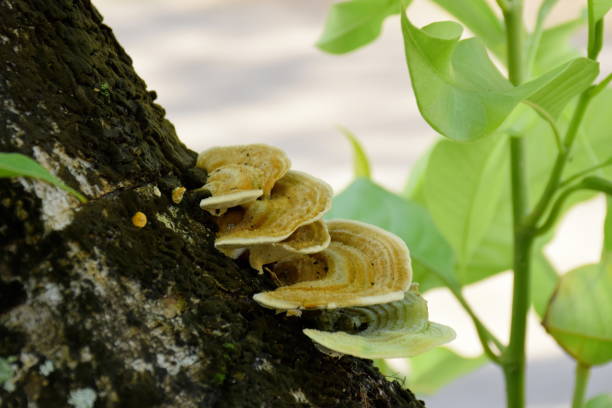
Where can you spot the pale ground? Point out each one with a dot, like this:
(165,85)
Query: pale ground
(239,72)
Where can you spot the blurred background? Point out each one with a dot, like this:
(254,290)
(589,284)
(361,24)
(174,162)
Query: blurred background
(238,71)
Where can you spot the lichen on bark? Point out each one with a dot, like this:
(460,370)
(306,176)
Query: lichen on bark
(95,310)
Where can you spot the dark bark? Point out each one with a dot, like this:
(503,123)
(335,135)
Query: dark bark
(141,317)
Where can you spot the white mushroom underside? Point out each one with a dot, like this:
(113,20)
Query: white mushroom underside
(230,200)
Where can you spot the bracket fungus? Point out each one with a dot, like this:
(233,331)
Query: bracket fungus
(240,174)
(274,213)
(297,199)
(307,239)
(397,329)
(363,265)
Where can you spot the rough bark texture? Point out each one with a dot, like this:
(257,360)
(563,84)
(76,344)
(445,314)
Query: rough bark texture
(91,305)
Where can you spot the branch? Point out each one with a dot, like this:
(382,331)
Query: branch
(586,171)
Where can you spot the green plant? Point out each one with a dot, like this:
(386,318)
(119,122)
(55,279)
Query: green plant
(517,151)
(18,165)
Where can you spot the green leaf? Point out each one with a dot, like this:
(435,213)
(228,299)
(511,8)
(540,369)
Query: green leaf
(479,18)
(556,47)
(18,165)
(353,24)
(567,82)
(413,190)
(601,8)
(578,316)
(494,253)
(432,257)
(361,164)
(462,187)
(600,401)
(431,371)
(460,92)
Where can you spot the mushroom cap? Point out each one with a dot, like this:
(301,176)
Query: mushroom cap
(363,265)
(230,186)
(240,174)
(397,329)
(297,199)
(307,239)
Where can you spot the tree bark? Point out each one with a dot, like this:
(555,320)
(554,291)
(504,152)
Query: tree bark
(95,311)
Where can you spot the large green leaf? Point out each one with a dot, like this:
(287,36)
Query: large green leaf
(355,23)
(431,255)
(569,81)
(415,184)
(18,165)
(578,315)
(461,93)
(361,163)
(600,401)
(462,187)
(494,253)
(478,17)
(555,46)
(433,370)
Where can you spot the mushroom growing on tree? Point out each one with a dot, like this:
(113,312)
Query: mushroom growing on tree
(89,302)
(307,239)
(297,199)
(363,265)
(240,174)
(396,329)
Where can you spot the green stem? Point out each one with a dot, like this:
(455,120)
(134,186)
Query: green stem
(595,41)
(586,171)
(555,177)
(582,378)
(556,209)
(513,18)
(514,356)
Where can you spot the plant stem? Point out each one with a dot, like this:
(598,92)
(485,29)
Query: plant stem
(556,209)
(513,18)
(586,171)
(582,378)
(555,177)
(595,33)
(514,357)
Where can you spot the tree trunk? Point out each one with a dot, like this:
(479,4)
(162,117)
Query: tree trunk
(95,311)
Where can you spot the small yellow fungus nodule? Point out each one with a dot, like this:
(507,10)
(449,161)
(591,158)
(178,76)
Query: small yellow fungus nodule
(139,220)
(177,194)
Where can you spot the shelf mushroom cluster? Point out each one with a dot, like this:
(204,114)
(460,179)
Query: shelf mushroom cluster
(274,213)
